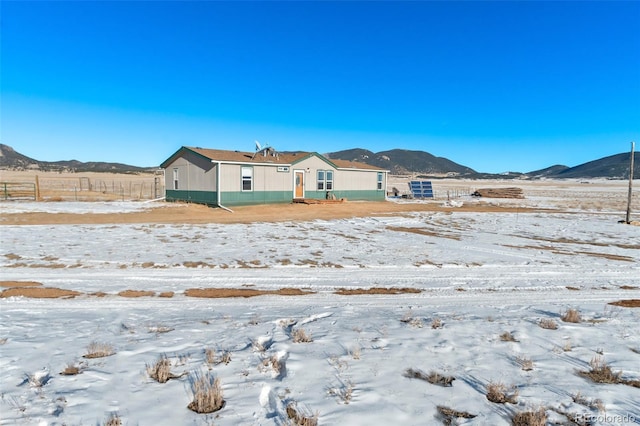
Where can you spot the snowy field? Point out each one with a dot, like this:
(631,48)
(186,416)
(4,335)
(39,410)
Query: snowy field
(474,291)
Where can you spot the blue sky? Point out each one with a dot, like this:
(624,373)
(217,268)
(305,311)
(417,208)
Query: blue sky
(496,85)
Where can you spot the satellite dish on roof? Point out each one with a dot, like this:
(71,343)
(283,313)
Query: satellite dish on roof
(258,146)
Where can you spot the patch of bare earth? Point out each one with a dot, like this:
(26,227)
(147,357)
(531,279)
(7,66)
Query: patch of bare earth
(39,292)
(136,293)
(14,284)
(194,213)
(214,293)
(375,290)
(421,231)
(628,303)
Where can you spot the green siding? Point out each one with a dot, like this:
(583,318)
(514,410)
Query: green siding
(200,197)
(239,198)
(354,195)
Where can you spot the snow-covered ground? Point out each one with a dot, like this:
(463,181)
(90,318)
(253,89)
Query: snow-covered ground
(480,274)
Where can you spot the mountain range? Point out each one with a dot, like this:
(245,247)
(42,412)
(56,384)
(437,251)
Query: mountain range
(401,161)
(397,161)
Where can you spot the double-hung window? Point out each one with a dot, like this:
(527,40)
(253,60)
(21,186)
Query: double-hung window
(380,180)
(175,178)
(320,180)
(325,180)
(247,178)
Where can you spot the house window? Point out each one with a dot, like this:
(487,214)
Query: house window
(380,180)
(325,180)
(320,180)
(247,178)
(175,178)
(329,180)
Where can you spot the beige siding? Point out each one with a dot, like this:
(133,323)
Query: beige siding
(355,180)
(265,178)
(343,180)
(194,173)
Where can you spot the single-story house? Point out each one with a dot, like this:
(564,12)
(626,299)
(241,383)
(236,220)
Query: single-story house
(232,178)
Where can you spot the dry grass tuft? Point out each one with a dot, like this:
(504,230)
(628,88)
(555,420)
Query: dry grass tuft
(298,418)
(507,337)
(530,418)
(274,362)
(212,359)
(571,315)
(300,336)
(548,324)
(160,371)
(99,350)
(433,377)
(600,372)
(499,393)
(594,404)
(207,394)
(113,420)
(450,414)
(525,363)
(167,294)
(436,323)
(355,352)
(71,370)
(344,392)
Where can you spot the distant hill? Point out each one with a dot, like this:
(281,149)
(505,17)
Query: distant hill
(548,172)
(613,167)
(10,159)
(402,161)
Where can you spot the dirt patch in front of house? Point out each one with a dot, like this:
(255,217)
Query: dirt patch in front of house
(628,303)
(375,290)
(39,292)
(14,284)
(136,293)
(215,293)
(196,214)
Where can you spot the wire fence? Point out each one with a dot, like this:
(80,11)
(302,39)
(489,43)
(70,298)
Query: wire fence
(82,188)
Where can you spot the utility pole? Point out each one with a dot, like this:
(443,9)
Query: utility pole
(630,183)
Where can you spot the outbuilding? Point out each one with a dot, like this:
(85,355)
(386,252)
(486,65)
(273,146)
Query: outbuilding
(232,178)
